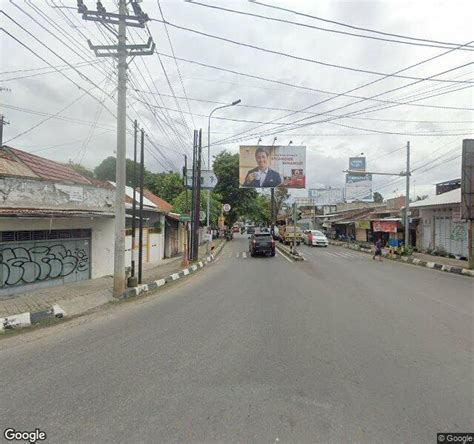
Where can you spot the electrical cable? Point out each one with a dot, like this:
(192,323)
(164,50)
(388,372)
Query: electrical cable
(299,58)
(176,62)
(352,26)
(305,25)
(306,88)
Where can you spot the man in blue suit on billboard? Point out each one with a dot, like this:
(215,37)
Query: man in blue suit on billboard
(262,176)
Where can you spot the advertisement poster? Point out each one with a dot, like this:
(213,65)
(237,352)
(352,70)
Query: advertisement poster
(326,196)
(357,163)
(385,226)
(359,187)
(264,166)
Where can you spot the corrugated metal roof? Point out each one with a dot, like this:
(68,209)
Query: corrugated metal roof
(43,168)
(451,197)
(48,169)
(51,212)
(9,166)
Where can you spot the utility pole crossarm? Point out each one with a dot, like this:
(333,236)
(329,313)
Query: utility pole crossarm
(360,173)
(120,51)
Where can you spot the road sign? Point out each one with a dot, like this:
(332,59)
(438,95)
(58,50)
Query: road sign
(226,208)
(208,179)
(184,218)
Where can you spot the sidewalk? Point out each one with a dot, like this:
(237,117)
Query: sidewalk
(79,297)
(425,260)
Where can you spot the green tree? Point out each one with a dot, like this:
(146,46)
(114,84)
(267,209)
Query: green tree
(258,210)
(378,198)
(106,171)
(166,185)
(179,204)
(82,170)
(241,200)
(281,197)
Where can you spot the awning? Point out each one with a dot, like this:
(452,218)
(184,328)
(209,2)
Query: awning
(45,212)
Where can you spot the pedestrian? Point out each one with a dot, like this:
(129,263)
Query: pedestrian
(378,250)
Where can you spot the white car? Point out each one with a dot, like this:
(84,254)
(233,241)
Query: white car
(315,238)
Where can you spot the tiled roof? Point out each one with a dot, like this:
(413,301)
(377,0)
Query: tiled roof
(43,168)
(158,201)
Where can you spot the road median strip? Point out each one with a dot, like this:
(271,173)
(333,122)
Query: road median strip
(410,260)
(28,318)
(286,251)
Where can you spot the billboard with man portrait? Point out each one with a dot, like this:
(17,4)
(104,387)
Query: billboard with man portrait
(263,166)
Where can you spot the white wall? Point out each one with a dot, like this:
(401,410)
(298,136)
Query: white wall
(102,242)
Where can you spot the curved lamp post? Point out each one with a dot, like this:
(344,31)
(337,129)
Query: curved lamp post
(236,102)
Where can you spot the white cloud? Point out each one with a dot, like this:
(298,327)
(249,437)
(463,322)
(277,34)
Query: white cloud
(329,145)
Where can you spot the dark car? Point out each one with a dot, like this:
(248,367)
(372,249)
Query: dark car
(262,243)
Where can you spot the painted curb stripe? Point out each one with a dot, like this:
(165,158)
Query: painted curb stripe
(152,285)
(420,262)
(37,316)
(27,318)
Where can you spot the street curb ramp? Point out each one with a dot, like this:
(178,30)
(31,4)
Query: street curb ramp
(410,260)
(56,311)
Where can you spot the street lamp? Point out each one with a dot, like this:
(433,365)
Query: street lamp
(236,102)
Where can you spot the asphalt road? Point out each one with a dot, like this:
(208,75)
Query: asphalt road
(338,348)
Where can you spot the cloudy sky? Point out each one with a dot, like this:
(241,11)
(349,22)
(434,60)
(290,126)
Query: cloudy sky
(60,100)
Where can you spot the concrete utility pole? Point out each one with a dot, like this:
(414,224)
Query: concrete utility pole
(2,123)
(407,200)
(120,51)
(132,279)
(208,227)
(406,174)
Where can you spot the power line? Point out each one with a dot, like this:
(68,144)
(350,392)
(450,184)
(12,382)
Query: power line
(303,59)
(48,118)
(352,26)
(308,112)
(276,131)
(176,62)
(372,83)
(307,88)
(305,25)
(77,65)
(58,117)
(57,55)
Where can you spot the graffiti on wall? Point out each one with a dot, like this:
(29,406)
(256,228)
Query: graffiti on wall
(458,233)
(25,265)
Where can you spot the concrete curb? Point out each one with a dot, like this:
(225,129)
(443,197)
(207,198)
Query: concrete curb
(27,318)
(286,251)
(410,260)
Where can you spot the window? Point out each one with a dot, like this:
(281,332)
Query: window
(24,236)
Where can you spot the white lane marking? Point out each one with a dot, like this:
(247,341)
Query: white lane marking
(237,255)
(289,260)
(244,254)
